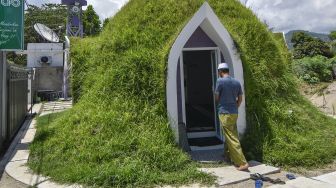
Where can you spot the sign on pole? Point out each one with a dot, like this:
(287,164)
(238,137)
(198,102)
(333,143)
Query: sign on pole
(11,24)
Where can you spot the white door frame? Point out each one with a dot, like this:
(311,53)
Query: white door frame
(205,18)
(205,133)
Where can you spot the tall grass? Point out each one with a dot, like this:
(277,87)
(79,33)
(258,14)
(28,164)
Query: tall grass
(117,134)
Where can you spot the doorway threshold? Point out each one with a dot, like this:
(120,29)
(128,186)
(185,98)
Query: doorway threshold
(198,148)
(208,156)
(201,134)
(205,143)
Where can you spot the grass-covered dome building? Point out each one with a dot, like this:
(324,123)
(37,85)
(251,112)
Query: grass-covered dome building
(135,94)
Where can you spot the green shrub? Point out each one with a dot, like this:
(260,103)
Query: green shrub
(332,61)
(317,68)
(314,69)
(117,134)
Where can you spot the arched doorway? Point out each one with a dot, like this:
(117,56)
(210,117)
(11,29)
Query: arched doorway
(202,44)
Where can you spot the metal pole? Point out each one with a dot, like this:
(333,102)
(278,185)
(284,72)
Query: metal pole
(3,84)
(31,90)
(65,68)
(1,100)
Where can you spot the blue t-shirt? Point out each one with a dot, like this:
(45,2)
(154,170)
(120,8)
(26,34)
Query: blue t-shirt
(228,90)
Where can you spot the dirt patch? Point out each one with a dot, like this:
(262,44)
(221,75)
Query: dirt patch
(315,172)
(322,95)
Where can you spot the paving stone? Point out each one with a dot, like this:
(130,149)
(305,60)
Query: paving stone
(19,171)
(20,155)
(32,124)
(328,178)
(49,184)
(37,108)
(303,182)
(29,137)
(188,186)
(257,167)
(227,175)
(230,175)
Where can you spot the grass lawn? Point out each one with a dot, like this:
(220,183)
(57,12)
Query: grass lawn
(108,164)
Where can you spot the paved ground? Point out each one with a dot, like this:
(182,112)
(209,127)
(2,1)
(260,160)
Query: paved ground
(57,106)
(8,182)
(251,183)
(229,174)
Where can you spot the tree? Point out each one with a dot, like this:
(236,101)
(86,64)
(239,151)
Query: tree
(299,38)
(105,22)
(332,35)
(91,22)
(307,46)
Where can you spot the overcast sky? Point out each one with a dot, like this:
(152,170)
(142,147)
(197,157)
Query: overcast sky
(282,15)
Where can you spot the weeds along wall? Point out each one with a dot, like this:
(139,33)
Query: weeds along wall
(120,121)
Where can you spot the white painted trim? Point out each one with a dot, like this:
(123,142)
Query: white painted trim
(201,134)
(184,118)
(201,49)
(212,26)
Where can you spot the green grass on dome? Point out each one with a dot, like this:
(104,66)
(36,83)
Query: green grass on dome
(117,134)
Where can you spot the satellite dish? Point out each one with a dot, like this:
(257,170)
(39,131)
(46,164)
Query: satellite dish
(46,32)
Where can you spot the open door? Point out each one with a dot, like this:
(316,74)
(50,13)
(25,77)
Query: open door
(200,76)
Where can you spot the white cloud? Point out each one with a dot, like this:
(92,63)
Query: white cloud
(284,15)
(107,8)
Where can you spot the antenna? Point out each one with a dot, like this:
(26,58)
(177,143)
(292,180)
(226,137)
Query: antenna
(74,22)
(47,33)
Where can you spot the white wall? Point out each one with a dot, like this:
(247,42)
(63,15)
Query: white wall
(38,50)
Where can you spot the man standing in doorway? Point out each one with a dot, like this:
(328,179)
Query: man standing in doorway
(228,96)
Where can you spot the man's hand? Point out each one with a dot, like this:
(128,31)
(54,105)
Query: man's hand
(216,98)
(240,100)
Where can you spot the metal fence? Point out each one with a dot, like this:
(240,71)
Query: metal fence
(13,101)
(17,99)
